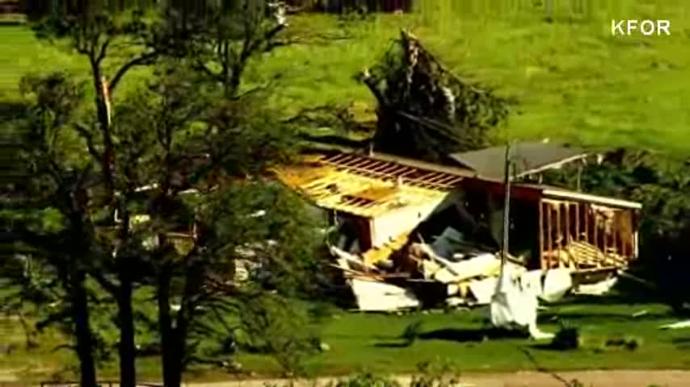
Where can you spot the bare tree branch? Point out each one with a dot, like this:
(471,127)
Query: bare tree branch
(103,51)
(107,284)
(88,137)
(141,60)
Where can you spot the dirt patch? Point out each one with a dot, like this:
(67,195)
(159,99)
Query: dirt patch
(603,378)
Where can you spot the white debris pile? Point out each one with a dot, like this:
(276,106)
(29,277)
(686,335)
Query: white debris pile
(374,296)
(515,301)
(421,275)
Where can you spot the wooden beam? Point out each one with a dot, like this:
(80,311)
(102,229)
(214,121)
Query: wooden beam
(388,170)
(542,264)
(618,238)
(435,177)
(567,224)
(398,171)
(549,233)
(337,158)
(595,229)
(447,179)
(586,219)
(577,221)
(379,166)
(345,161)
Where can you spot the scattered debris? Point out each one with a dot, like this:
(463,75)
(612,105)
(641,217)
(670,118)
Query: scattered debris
(374,296)
(557,283)
(598,288)
(482,290)
(567,338)
(676,325)
(629,343)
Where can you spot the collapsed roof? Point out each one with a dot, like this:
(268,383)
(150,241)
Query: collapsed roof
(369,185)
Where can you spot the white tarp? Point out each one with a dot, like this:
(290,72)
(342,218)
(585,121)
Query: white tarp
(515,306)
(373,296)
(483,289)
(549,286)
(481,265)
(597,289)
(557,282)
(676,325)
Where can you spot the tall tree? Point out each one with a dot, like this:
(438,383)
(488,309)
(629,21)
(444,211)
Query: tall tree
(51,218)
(226,35)
(113,41)
(138,161)
(210,204)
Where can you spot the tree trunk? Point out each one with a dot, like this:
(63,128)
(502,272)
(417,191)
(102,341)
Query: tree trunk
(82,329)
(103,113)
(172,353)
(126,347)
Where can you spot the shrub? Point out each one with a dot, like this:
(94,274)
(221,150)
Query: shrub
(566,338)
(411,332)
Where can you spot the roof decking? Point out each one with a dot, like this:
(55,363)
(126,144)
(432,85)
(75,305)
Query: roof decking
(409,172)
(529,158)
(368,185)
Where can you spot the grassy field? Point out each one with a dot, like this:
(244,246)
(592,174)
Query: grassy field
(570,78)
(371,342)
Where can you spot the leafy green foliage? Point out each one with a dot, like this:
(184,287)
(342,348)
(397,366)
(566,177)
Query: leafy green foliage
(271,324)
(222,37)
(367,380)
(434,374)
(130,173)
(429,374)
(412,332)
(566,338)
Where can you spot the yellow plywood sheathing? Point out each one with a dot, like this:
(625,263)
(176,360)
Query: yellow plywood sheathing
(342,186)
(384,252)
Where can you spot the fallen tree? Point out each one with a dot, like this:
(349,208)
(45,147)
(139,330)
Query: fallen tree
(425,111)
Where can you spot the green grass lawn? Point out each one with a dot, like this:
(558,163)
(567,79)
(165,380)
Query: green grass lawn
(370,342)
(571,79)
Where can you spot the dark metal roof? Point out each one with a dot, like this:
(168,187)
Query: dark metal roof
(529,158)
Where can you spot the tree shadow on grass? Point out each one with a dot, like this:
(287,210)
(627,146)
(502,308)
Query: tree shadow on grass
(548,317)
(12,110)
(681,343)
(393,344)
(472,335)
(457,335)
(547,346)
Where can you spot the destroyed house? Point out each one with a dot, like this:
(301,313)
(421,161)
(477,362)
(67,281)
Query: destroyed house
(381,204)
(557,228)
(376,199)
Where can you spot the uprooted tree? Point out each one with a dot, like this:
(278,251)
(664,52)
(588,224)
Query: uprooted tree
(425,111)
